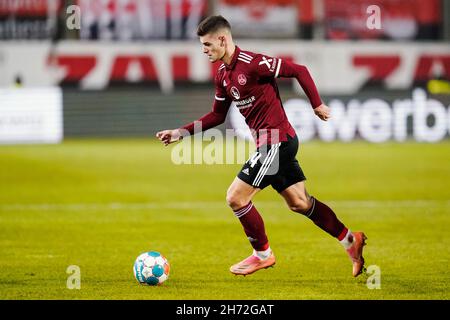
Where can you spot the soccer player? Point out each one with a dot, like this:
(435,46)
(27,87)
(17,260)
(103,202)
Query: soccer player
(248,79)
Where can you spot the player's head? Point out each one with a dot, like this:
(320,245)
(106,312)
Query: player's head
(215,36)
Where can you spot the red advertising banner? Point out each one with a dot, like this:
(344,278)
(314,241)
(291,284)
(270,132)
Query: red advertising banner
(96,65)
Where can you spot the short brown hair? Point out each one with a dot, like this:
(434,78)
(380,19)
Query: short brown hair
(212,24)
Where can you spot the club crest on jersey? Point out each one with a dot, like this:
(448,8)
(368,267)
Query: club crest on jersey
(235,92)
(242,79)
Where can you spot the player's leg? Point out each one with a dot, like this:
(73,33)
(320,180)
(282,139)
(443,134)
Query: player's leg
(240,194)
(298,200)
(254,176)
(290,184)
(239,198)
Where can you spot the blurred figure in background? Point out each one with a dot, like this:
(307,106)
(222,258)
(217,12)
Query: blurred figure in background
(140,19)
(401,19)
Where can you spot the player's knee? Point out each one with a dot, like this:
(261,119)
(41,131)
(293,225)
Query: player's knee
(300,206)
(235,201)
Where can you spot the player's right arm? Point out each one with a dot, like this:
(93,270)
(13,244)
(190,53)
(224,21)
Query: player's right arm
(210,120)
(169,136)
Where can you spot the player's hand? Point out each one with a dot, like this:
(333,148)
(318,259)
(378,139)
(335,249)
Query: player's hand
(169,136)
(323,112)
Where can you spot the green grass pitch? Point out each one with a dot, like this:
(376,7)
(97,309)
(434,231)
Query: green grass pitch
(98,204)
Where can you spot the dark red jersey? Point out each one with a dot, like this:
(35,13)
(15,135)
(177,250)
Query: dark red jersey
(249,82)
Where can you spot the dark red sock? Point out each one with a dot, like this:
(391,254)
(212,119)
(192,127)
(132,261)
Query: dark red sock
(253,226)
(325,218)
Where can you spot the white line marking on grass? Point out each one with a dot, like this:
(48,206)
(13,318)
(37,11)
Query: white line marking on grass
(209,205)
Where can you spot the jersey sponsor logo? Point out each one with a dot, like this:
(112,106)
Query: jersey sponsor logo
(246,103)
(235,92)
(270,63)
(266,62)
(242,79)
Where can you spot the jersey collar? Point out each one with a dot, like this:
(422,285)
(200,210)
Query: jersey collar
(237,50)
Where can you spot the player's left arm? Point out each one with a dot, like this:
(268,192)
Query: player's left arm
(278,68)
(289,69)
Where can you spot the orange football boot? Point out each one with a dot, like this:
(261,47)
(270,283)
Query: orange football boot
(355,252)
(252,264)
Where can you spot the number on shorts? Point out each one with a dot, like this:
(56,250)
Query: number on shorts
(254,159)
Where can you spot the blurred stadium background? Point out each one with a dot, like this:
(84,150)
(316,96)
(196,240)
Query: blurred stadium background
(127,70)
(72,71)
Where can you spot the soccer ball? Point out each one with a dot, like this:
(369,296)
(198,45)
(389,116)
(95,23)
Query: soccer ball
(151,268)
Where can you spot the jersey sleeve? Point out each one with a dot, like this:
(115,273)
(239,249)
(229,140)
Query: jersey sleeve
(266,66)
(220,94)
(218,113)
(289,69)
(271,67)
(221,99)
